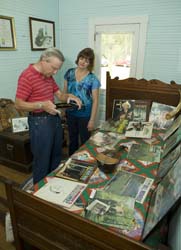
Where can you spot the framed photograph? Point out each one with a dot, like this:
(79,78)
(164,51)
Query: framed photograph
(7,33)
(20,124)
(42,33)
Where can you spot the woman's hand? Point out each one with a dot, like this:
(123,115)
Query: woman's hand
(90,125)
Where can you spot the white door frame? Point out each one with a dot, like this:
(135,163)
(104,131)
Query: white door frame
(141,20)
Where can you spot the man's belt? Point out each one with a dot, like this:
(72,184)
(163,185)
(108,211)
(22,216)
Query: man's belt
(43,113)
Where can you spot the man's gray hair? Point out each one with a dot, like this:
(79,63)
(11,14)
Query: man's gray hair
(52,52)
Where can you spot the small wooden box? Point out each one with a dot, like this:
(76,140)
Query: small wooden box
(15,151)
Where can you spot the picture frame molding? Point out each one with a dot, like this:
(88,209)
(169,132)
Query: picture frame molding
(38,34)
(7,33)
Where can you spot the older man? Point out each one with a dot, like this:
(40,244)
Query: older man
(35,93)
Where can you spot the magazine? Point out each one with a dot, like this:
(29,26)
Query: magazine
(145,152)
(60,191)
(129,184)
(131,110)
(157,115)
(77,170)
(98,177)
(83,155)
(139,129)
(168,161)
(167,193)
(107,139)
(174,126)
(171,142)
(117,126)
(111,210)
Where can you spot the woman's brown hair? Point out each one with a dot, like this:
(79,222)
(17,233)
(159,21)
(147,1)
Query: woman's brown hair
(87,53)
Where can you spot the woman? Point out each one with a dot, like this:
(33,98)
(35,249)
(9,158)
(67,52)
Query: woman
(81,82)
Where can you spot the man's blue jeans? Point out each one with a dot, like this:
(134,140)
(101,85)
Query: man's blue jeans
(46,144)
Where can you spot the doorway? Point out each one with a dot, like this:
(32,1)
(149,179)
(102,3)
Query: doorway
(119,45)
(116,49)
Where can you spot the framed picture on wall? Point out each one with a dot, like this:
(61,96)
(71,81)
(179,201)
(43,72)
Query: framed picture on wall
(42,33)
(7,33)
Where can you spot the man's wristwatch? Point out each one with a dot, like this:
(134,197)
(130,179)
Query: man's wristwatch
(40,105)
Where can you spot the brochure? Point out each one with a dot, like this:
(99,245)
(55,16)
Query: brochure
(60,191)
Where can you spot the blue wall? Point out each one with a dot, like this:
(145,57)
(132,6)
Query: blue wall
(13,62)
(163,45)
